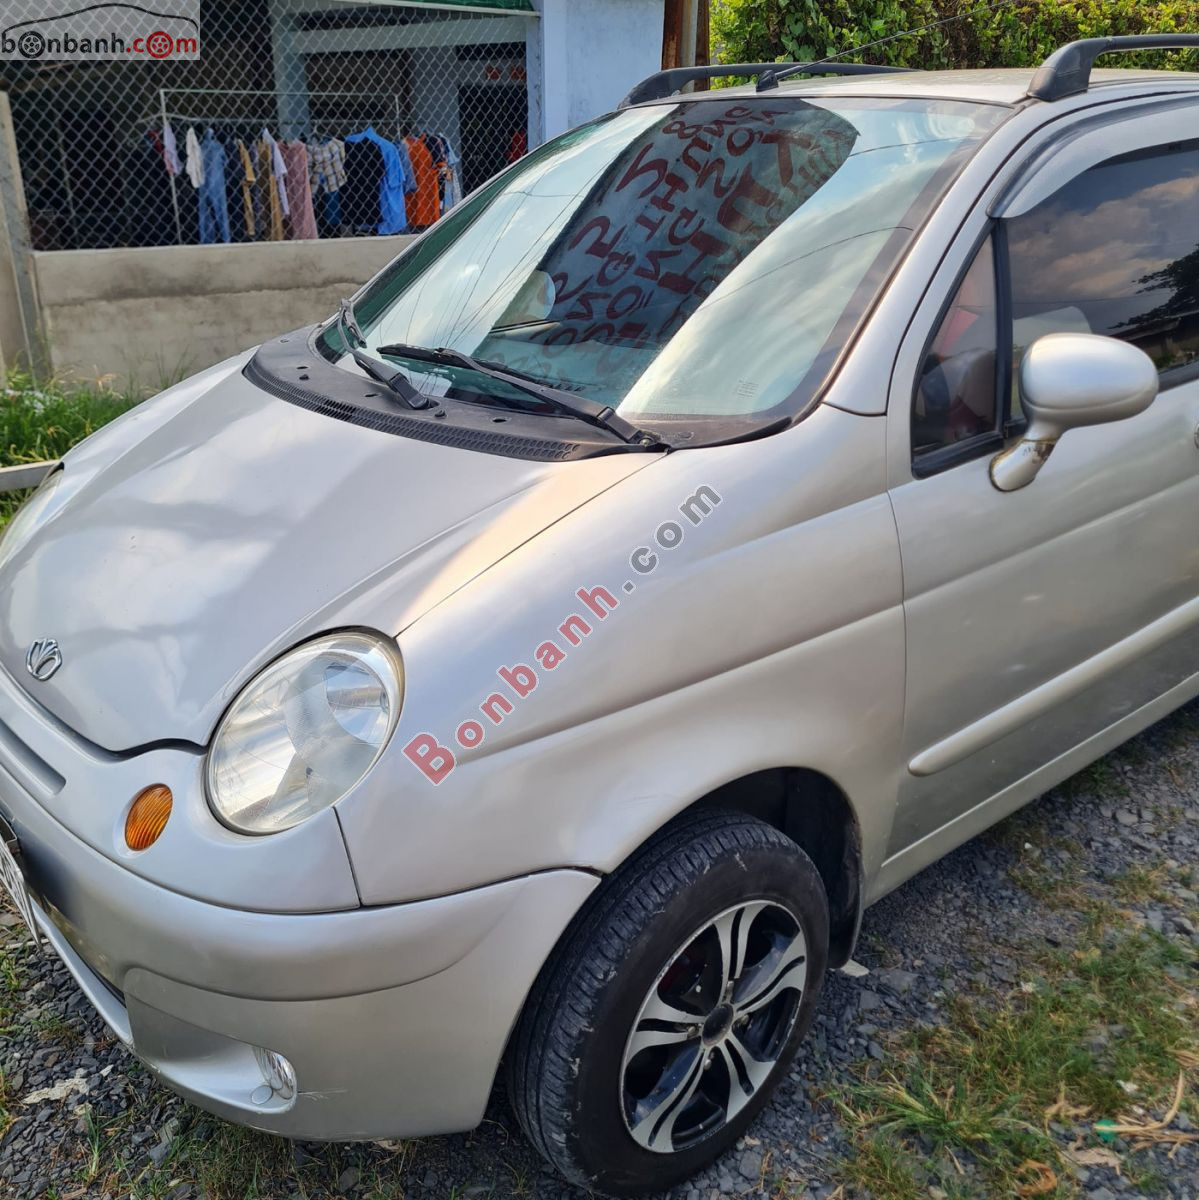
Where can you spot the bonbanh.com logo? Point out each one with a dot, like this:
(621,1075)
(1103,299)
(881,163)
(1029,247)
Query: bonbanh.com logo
(58,30)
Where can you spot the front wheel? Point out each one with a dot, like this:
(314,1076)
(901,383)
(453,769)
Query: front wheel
(672,1007)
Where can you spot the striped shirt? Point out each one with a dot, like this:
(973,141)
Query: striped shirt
(327,165)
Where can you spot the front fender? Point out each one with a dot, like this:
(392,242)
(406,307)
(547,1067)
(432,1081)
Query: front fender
(771,634)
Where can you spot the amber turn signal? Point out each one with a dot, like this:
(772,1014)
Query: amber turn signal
(148,816)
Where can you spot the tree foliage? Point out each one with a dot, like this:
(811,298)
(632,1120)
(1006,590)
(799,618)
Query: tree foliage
(1020,34)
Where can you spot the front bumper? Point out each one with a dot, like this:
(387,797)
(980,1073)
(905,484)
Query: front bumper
(394,1019)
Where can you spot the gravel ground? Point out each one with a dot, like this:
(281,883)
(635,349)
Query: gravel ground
(971,924)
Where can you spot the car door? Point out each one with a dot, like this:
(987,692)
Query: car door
(1039,620)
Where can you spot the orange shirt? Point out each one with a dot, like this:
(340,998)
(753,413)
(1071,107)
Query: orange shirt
(423,205)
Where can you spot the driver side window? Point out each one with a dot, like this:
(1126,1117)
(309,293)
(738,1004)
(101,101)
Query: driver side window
(1115,251)
(957,401)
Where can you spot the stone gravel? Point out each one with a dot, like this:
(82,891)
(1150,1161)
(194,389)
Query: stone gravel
(962,922)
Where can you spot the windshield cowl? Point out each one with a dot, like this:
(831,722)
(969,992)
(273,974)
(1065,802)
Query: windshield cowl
(296,368)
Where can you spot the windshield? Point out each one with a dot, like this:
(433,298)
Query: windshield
(703,260)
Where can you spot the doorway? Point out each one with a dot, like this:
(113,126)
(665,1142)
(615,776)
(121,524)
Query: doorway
(494,122)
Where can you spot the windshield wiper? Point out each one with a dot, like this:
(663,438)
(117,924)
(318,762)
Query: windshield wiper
(591,411)
(394,380)
(348,323)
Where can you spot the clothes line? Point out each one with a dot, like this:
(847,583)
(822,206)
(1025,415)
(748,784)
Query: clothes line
(167,112)
(395,183)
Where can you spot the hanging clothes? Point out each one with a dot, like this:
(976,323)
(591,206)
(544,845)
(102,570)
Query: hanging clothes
(440,149)
(195,158)
(170,149)
(327,165)
(327,176)
(271,185)
(406,168)
(251,196)
(453,183)
(423,206)
(214,207)
(331,213)
(397,180)
(149,193)
(302,220)
(234,172)
(278,170)
(360,194)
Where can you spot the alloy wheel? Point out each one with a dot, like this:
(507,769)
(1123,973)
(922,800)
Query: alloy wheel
(713,1025)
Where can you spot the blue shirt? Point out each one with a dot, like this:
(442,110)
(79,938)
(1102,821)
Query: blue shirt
(398,179)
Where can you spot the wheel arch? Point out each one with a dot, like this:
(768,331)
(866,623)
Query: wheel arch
(815,813)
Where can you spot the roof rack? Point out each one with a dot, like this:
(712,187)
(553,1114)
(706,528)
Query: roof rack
(1067,71)
(666,83)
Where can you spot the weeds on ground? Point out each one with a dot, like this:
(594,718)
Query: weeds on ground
(965,1107)
(10,982)
(228,1162)
(53,1027)
(41,422)
(8,1103)
(1139,885)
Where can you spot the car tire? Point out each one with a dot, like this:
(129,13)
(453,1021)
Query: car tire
(671,965)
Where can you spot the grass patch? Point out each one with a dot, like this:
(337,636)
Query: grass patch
(8,1103)
(40,423)
(53,1027)
(11,983)
(228,1162)
(966,1106)
(1138,885)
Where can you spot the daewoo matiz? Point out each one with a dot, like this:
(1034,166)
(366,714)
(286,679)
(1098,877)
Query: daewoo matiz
(736,504)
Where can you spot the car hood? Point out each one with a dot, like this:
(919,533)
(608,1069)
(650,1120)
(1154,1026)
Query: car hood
(205,533)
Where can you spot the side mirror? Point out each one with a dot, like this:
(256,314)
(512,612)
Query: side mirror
(1068,380)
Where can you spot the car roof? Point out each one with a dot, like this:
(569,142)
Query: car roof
(1005,86)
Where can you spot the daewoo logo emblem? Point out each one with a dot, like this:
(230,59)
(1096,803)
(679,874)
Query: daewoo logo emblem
(43,659)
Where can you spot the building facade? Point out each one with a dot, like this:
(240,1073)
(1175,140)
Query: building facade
(458,87)
(151,228)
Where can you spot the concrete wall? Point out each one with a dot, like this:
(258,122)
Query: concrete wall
(147,317)
(591,55)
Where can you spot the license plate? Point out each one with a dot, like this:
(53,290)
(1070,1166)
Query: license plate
(13,883)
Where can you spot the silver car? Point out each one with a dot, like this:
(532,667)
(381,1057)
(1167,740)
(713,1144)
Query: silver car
(735,505)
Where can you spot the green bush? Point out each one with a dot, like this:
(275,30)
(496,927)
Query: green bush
(1022,34)
(40,423)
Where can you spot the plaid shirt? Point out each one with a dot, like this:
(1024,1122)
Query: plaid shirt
(327,165)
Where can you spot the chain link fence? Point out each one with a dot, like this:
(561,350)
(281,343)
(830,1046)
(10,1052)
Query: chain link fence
(294,119)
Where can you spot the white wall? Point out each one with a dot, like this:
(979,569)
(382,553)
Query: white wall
(593,52)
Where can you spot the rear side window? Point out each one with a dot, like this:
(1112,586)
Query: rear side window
(1115,251)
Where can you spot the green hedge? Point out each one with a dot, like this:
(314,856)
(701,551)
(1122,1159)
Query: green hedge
(1023,34)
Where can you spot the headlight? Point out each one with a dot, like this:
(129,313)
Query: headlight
(28,517)
(304,732)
